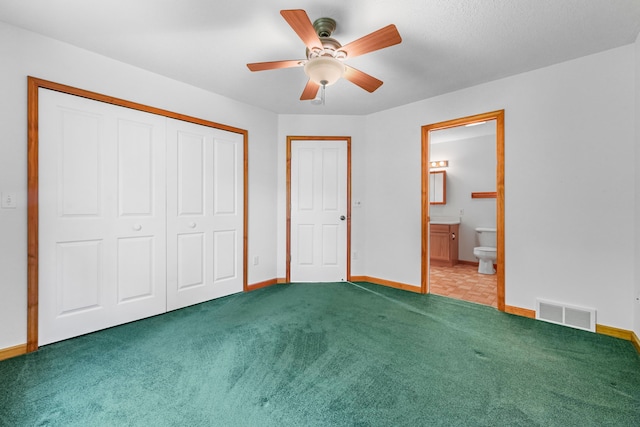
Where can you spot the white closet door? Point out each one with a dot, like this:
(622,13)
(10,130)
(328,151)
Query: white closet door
(204,213)
(102,237)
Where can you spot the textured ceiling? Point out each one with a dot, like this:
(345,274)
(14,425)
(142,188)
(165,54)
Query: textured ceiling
(447,44)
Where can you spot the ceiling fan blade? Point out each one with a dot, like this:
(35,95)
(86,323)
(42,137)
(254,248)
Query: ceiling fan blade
(274,65)
(384,37)
(301,24)
(364,80)
(310,91)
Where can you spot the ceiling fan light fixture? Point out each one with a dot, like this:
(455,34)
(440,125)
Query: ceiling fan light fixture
(324,54)
(324,70)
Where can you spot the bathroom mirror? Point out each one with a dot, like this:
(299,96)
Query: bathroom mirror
(438,187)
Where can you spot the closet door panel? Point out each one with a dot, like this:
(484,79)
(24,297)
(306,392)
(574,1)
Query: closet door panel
(101,216)
(139,229)
(74,219)
(190,260)
(204,190)
(225,178)
(190,174)
(224,255)
(136,169)
(135,269)
(80,148)
(79,280)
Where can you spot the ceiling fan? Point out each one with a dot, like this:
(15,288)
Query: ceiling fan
(325,55)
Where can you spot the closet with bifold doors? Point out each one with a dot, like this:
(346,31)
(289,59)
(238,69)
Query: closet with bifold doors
(138,214)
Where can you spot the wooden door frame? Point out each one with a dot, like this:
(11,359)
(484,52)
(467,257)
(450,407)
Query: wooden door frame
(33,86)
(290,141)
(498,116)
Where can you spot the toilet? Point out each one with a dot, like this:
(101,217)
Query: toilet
(486,252)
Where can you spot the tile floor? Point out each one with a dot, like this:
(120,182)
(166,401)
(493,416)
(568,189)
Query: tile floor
(463,282)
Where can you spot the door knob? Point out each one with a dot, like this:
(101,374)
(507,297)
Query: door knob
(342,217)
(137,227)
(192,224)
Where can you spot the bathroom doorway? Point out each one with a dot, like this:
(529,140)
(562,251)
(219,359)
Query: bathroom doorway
(463,190)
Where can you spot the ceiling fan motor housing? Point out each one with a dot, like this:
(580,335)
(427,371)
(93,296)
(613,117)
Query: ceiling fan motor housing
(330,46)
(324,26)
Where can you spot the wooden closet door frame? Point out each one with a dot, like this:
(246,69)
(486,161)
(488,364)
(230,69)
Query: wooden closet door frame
(33,86)
(498,116)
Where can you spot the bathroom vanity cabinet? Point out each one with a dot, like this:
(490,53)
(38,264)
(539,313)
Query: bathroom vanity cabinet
(444,244)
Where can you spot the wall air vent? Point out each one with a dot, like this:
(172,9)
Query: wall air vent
(567,315)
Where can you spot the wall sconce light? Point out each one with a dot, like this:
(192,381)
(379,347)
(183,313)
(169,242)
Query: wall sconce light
(439,164)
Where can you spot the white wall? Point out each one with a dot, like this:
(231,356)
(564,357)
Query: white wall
(316,125)
(22,54)
(636,310)
(472,168)
(569,220)
(568,217)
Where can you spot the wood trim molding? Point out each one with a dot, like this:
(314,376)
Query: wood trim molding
(614,332)
(32,213)
(9,352)
(619,333)
(636,341)
(484,195)
(384,282)
(245,209)
(45,84)
(518,311)
(281,280)
(498,116)
(600,329)
(33,86)
(290,140)
(261,285)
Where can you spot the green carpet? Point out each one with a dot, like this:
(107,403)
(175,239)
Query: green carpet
(327,354)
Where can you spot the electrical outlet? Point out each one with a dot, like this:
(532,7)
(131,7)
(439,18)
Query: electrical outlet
(355,254)
(9,201)
(256,260)
(461,212)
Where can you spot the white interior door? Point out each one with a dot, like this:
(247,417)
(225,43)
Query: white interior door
(205,213)
(101,216)
(318,211)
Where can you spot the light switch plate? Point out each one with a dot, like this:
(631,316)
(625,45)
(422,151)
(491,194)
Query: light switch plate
(9,201)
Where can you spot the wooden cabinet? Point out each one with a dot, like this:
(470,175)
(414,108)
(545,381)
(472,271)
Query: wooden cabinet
(443,240)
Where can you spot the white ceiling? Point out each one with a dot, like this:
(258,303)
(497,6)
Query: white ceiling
(447,44)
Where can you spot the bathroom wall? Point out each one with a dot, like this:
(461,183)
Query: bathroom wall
(561,123)
(23,53)
(472,168)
